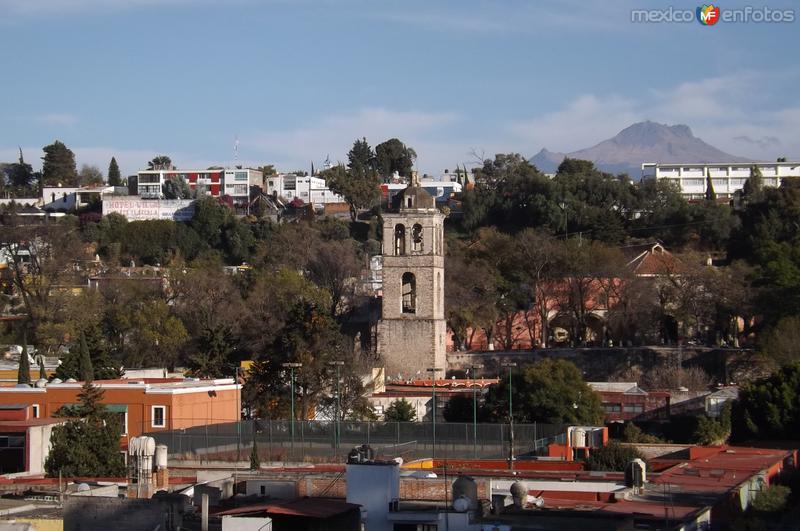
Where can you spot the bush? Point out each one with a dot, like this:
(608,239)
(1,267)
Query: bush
(400,411)
(612,457)
(771,499)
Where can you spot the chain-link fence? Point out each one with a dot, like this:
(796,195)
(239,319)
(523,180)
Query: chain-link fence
(319,441)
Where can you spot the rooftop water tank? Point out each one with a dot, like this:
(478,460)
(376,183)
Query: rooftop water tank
(465,489)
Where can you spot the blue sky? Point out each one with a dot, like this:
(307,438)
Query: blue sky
(296,80)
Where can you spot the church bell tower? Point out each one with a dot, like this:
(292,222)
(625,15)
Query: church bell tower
(411,333)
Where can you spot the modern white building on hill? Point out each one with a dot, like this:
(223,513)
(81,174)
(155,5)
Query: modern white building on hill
(312,190)
(727,178)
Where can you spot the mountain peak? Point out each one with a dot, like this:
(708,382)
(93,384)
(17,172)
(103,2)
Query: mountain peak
(640,142)
(652,133)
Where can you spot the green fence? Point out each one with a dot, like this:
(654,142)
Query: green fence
(318,441)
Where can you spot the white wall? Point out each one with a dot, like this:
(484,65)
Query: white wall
(246,523)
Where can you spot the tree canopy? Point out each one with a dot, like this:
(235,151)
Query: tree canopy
(394,156)
(769,408)
(58,167)
(551,391)
(89,445)
(114,176)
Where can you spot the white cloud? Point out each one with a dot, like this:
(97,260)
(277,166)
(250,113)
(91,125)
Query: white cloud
(722,110)
(582,123)
(334,135)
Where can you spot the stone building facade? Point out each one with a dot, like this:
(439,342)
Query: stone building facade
(412,330)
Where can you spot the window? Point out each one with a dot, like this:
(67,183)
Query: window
(35,411)
(399,239)
(241,176)
(612,408)
(416,238)
(633,408)
(379,409)
(409,293)
(159,417)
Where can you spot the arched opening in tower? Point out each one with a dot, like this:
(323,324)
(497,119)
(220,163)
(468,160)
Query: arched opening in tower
(416,238)
(409,293)
(399,239)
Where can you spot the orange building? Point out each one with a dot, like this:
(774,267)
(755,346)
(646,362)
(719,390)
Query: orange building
(144,405)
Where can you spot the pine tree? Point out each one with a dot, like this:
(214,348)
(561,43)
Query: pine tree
(24,373)
(711,195)
(85,368)
(42,372)
(89,446)
(59,166)
(255,461)
(114,176)
(754,185)
(90,401)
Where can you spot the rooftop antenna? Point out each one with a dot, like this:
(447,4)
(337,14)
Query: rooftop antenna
(236,151)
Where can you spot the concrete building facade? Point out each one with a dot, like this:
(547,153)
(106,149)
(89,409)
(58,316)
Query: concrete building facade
(412,331)
(726,178)
(144,405)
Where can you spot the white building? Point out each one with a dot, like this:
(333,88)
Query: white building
(312,190)
(726,178)
(233,182)
(58,198)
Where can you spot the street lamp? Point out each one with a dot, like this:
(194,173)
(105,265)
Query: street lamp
(510,365)
(336,433)
(292,367)
(472,370)
(433,371)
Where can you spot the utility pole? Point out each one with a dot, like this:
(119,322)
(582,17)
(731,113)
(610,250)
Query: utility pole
(472,370)
(510,365)
(433,371)
(292,367)
(336,433)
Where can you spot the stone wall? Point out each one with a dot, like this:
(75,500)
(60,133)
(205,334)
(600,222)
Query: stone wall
(406,346)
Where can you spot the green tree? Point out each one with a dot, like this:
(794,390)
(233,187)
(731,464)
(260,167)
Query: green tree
(753,187)
(361,158)
(460,408)
(359,187)
(114,176)
(781,343)
(176,189)
(612,457)
(157,335)
(552,391)
(58,167)
(711,195)
(634,434)
(769,408)
(24,373)
(294,326)
(88,446)
(85,368)
(255,461)
(394,156)
(400,411)
(90,176)
(20,176)
(160,162)
(714,431)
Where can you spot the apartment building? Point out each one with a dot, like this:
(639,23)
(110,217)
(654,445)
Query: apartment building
(726,178)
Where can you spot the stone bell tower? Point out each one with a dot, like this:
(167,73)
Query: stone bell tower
(411,333)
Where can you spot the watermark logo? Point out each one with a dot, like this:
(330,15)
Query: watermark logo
(707,15)
(710,14)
